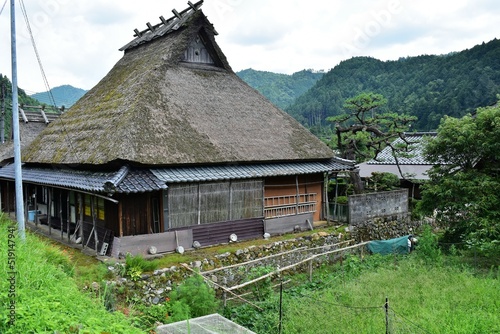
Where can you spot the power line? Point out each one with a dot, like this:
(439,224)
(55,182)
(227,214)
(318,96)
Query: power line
(44,77)
(3,6)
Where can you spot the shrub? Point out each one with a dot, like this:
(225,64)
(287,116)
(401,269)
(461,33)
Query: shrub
(383,181)
(427,246)
(197,295)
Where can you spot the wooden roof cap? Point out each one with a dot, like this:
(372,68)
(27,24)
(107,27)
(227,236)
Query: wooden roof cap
(177,16)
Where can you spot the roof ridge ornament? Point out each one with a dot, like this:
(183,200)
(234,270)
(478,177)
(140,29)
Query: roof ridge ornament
(164,22)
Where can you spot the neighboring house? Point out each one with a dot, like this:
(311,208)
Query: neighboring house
(411,168)
(171,149)
(32,120)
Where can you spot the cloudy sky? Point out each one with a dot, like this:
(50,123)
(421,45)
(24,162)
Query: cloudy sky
(78,40)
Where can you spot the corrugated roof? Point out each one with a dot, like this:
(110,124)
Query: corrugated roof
(125,180)
(227,172)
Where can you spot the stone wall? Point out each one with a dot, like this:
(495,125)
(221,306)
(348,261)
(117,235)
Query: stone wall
(380,216)
(364,207)
(153,288)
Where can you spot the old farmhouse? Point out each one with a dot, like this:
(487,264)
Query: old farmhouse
(171,150)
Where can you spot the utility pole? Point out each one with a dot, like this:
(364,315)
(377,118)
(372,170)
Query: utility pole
(2,116)
(15,128)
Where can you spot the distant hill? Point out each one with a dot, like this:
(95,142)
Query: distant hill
(427,86)
(280,89)
(65,95)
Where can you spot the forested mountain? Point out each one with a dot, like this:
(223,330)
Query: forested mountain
(65,95)
(427,86)
(280,89)
(23,98)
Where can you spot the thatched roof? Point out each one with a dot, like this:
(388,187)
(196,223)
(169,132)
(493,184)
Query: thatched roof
(153,108)
(28,131)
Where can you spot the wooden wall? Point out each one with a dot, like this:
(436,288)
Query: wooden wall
(307,184)
(136,214)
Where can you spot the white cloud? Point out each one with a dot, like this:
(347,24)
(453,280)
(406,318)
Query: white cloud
(78,40)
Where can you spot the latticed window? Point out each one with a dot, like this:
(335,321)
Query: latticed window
(201,203)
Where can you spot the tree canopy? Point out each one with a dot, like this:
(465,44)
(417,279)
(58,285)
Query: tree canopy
(280,89)
(465,181)
(427,86)
(364,130)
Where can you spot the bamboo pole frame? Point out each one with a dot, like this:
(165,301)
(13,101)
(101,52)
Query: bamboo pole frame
(278,270)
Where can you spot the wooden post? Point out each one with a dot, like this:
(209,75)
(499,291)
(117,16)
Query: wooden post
(386,306)
(68,213)
(49,211)
(149,214)
(120,219)
(224,293)
(80,209)
(61,220)
(35,199)
(199,204)
(297,198)
(326,200)
(342,267)
(310,270)
(230,200)
(8,198)
(93,208)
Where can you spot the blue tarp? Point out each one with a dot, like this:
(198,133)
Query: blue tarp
(391,246)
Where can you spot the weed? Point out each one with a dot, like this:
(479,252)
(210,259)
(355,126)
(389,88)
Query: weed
(261,289)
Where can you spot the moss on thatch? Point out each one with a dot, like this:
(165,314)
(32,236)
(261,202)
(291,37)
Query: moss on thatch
(154,109)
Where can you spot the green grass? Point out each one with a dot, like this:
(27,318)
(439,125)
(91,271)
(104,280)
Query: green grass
(422,298)
(445,295)
(47,298)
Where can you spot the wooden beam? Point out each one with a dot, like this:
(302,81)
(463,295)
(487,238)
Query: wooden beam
(150,27)
(137,33)
(176,13)
(23,115)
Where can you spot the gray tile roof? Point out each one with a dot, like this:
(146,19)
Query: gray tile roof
(412,166)
(130,180)
(125,180)
(227,172)
(413,157)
